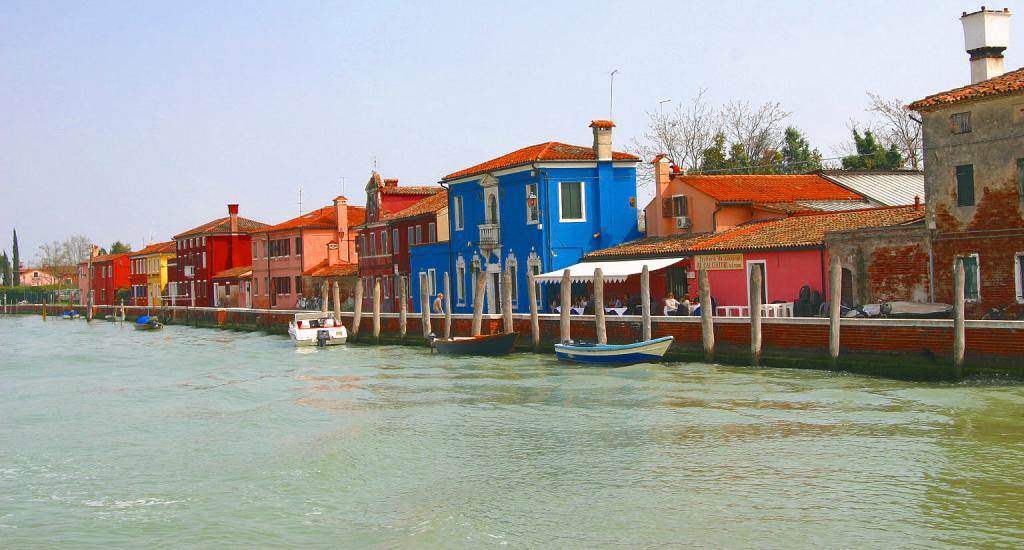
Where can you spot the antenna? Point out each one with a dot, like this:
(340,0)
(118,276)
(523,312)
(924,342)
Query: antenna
(300,200)
(343,186)
(661,105)
(611,93)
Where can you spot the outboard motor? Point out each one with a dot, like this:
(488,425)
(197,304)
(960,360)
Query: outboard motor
(322,336)
(433,339)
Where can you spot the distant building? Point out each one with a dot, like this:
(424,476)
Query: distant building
(110,273)
(35,276)
(149,273)
(206,250)
(233,288)
(891,188)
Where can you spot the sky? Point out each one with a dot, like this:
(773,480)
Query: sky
(135,121)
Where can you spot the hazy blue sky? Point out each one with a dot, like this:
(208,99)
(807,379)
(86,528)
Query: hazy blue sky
(121,120)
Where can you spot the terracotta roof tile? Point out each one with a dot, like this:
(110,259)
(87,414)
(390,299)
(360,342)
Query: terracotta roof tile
(1005,84)
(157,248)
(410,190)
(551,150)
(323,270)
(768,188)
(223,225)
(602,124)
(806,230)
(105,257)
(240,272)
(326,217)
(425,206)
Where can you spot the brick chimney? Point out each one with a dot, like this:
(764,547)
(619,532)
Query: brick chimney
(233,214)
(602,138)
(341,209)
(390,182)
(986,35)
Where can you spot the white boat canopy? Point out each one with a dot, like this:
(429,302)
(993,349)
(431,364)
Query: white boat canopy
(614,272)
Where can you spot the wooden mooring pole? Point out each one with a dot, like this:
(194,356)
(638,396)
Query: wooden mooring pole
(566,308)
(324,304)
(755,314)
(707,322)
(44,310)
(478,301)
(959,332)
(376,308)
(645,304)
(403,306)
(92,304)
(600,328)
(357,313)
(506,300)
(425,306)
(336,294)
(835,294)
(447,306)
(531,292)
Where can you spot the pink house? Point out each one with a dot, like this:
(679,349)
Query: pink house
(282,253)
(685,204)
(34,276)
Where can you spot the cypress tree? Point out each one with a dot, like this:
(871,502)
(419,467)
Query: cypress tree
(15,262)
(5,269)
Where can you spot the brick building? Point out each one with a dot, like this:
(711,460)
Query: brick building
(110,273)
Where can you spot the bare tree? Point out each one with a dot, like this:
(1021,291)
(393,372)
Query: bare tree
(760,132)
(683,134)
(51,254)
(77,248)
(898,128)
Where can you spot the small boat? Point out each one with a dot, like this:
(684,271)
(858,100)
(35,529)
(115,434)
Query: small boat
(491,344)
(71,314)
(914,310)
(145,322)
(622,354)
(316,329)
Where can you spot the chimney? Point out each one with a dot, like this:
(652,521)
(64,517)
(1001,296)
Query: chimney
(233,214)
(602,138)
(662,166)
(341,209)
(986,35)
(390,182)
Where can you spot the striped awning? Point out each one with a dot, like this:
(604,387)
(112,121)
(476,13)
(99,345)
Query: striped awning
(614,272)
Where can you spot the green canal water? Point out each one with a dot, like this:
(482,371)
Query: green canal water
(211,439)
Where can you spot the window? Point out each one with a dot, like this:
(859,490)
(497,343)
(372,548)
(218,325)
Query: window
(1020,179)
(965,185)
(298,284)
(373,244)
(266,286)
(384,242)
(431,282)
(679,206)
(384,283)
(458,212)
(255,285)
(460,280)
(515,284)
(204,259)
(1018,269)
(972,279)
(411,236)
(432,232)
(395,243)
(535,269)
(419,234)
(266,248)
(532,204)
(298,246)
(254,254)
(960,122)
(570,199)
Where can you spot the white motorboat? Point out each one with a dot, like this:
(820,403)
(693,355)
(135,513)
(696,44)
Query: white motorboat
(316,329)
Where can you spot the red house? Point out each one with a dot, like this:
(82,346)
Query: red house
(110,273)
(384,241)
(207,250)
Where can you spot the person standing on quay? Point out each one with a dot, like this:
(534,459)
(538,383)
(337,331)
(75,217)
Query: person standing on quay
(438,303)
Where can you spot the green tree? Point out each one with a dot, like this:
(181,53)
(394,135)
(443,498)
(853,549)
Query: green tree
(713,158)
(797,155)
(15,262)
(5,269)
(119,247)
(871,155)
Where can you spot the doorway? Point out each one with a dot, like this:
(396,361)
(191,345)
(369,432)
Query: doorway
(764,279)
(676,283)
(846,296)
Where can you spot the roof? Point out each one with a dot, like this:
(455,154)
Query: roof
(106,257)
(322,269)
(223,225)
(239,272)
(767,188)
(799,231)
(551,150)
(410,190)
(326,217)
(1006,84)
(886,188)
(426,206)
(602,124)
(168,247)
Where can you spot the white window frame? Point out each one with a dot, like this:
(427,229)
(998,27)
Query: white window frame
(583,203)
(460,281)
(396,243)
(431,282)
(536,191)
(419,234)
(384,242)
(459,219)
(1018,276)
(431,232)
(764,278)
(513,265)
(411,234)
(977,261)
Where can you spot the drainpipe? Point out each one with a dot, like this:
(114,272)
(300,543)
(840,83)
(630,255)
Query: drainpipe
(714,217)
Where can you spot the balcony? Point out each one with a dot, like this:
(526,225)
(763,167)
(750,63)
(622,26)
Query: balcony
(490,235)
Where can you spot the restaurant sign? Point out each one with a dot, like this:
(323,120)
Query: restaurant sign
(718,262)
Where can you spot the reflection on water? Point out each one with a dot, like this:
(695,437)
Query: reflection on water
(192,437)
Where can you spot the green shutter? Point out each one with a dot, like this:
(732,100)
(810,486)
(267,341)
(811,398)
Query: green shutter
(965,185)
(572,207)
(970,277)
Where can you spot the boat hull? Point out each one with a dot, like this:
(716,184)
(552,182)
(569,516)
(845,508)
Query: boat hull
(309,336)
(148,326)
(640,352)
(494,344)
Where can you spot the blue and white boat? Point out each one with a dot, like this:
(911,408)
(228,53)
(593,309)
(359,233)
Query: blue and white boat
(612,354)
(69,314)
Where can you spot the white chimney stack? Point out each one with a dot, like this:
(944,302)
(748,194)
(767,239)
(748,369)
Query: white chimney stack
(602,138)
(986,35)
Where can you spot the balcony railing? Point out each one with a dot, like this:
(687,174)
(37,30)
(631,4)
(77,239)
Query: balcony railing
(490,234)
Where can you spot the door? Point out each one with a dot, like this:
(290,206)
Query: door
(494,292)
(764,279)
(675,282)
(846,296)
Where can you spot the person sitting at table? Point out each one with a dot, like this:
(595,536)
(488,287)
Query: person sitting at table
(695,309)
(671,304)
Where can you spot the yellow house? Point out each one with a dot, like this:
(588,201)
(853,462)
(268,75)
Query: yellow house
(149,273)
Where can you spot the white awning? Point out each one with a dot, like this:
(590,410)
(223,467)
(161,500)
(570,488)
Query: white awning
(614,272)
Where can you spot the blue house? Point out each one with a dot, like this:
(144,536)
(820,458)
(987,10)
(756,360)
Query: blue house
(537,209)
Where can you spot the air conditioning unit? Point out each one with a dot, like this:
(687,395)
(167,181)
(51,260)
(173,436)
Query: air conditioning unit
(682,222)
(189,271)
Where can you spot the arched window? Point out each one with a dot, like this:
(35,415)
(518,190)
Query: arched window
(492,208)
(512,267)
(460,280)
